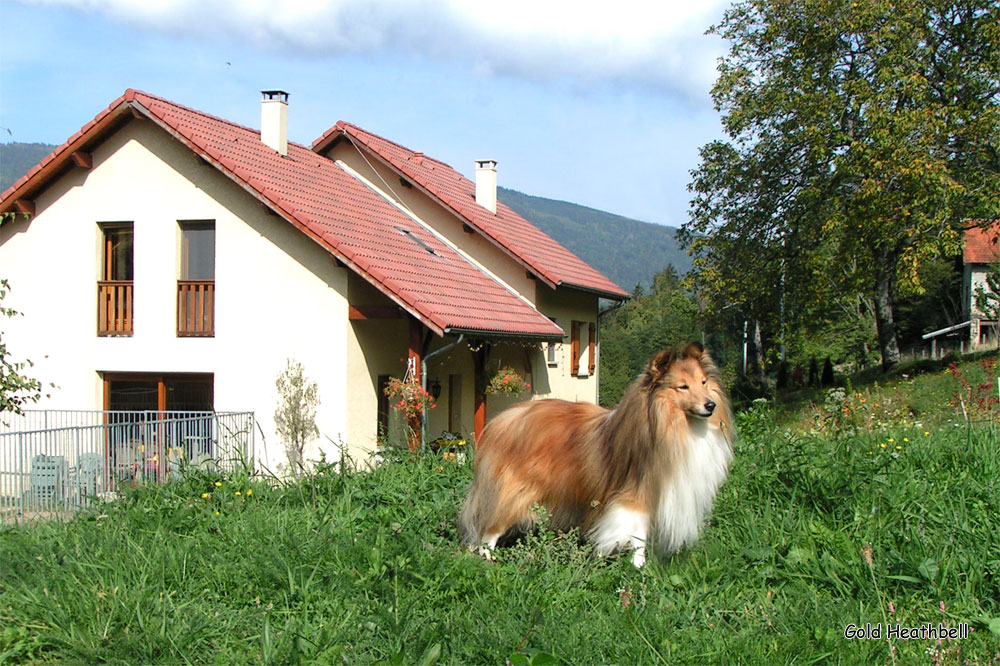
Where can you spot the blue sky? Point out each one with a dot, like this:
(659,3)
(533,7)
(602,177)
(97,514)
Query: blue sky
(600,104)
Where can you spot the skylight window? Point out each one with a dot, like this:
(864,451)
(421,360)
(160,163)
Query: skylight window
(409,234)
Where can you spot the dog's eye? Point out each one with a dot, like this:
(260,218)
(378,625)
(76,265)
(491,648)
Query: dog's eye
(704,381)
(683,387)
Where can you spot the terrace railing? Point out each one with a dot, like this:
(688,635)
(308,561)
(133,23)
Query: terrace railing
(195,308)
(56,461)
(114,307)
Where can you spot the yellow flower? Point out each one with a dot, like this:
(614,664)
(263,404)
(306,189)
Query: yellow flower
(891,440)
(249,493)
(926,434)
(906,439)
(238,493)
(204,495)
(218,484)
(899,448)
(883,444)
(216,513)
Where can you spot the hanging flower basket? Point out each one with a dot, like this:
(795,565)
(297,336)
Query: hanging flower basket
(408,397)
(507,382)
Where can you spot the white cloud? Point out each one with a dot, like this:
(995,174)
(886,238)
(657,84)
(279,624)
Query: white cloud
(650,44)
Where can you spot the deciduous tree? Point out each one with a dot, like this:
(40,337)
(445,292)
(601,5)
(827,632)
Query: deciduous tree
(295,417)
(860,136)
(16,388)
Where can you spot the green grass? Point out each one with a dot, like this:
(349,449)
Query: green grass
(921,393)
(366,567)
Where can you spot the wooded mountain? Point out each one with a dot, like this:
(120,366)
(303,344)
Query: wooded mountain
(627,251)
(17,158)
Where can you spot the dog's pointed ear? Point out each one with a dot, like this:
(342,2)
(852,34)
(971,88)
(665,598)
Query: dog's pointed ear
(693,350)
(659,364)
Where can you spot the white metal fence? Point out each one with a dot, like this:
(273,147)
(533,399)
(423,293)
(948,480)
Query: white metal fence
(54,461)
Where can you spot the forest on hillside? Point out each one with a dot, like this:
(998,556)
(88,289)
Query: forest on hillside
(17,158)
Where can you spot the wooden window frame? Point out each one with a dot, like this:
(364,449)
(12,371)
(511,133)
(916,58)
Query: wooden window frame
(115,300)
(592,347)
(574,348)
(195,298)
(161,383)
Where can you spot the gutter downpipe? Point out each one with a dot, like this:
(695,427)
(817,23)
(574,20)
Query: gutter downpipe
(423,385)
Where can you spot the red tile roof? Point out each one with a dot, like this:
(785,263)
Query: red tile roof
(374,238)
(536,251)
(982,244)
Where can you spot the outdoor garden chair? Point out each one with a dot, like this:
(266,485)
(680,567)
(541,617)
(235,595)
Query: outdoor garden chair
(89,475)
(47,480)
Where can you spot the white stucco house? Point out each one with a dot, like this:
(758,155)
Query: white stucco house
(981,249)
(167,259)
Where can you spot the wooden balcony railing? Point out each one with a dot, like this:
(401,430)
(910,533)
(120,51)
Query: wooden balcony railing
(196,308)
(114,307)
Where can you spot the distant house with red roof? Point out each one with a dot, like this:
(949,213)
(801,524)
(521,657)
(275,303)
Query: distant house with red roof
(981,249)
(168,259)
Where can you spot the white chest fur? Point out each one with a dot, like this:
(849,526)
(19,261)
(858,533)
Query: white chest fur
(688,491)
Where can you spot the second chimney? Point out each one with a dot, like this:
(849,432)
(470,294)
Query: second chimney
(486,184)
(274,120)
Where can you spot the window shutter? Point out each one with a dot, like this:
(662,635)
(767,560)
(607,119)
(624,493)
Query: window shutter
(574,363)
(592,347)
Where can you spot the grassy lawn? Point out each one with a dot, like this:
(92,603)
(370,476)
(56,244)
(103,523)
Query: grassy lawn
(828,518)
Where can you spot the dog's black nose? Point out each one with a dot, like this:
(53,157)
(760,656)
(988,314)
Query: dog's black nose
(709,406)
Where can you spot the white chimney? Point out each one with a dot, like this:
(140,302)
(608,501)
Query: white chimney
(486,184)
(274,120)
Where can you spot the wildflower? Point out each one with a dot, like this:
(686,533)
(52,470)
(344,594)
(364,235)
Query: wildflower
(204,495)
(883,444)
(216,513)
(942,606)
(892,609)
(218,484)
(238,493)
(249,493)
(891,440)
(926,434)
(906,439)
(899,448)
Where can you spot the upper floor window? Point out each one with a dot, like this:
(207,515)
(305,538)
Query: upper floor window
(114,289)
(196,286)
(197,250)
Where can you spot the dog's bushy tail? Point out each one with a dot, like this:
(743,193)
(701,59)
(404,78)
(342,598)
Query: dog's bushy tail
(479,510)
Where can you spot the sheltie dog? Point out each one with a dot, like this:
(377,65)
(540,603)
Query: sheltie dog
(643,473)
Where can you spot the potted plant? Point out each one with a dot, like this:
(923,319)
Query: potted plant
(410,399)
(507,382)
